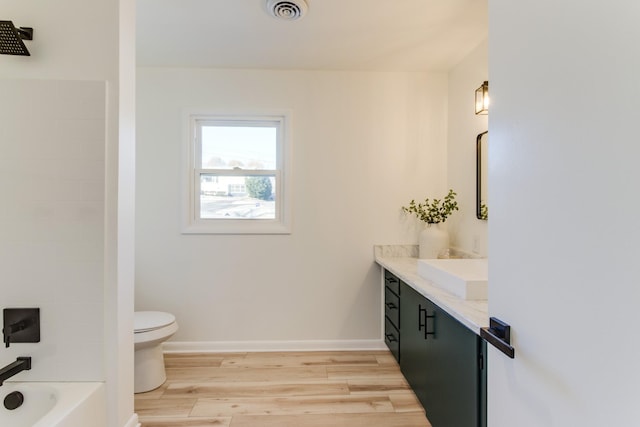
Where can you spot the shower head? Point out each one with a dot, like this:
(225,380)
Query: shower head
(11,39)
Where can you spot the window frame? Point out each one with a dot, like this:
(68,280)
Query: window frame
(192,222)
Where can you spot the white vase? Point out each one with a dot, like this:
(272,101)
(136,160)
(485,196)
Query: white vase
(433,240)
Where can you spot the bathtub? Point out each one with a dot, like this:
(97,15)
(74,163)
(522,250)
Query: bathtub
(72,404)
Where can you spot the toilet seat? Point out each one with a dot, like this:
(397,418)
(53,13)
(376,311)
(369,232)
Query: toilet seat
(147,321)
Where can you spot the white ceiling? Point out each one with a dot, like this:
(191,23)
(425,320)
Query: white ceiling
(382,35)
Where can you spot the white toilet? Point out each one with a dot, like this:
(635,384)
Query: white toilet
(151,329)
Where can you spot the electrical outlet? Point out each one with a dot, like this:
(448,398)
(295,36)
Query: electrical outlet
(474,246)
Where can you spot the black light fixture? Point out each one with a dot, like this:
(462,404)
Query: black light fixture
(11,39)
(482,98)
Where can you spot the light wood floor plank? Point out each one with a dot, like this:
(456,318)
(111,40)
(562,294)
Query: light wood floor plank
(206,355)
(271,360)
(186,360)
(359,372)
(405,402)
(153,394)
(245,374)
(332,420)
(164,407)
(255,389)
(291,405)
(185,422)
(283,389)
(377,386)
(386,360)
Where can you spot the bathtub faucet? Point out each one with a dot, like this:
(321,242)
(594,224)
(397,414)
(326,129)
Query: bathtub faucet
(21,364)
(21,325)
(9,331)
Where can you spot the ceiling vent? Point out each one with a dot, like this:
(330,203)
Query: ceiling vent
(287,10)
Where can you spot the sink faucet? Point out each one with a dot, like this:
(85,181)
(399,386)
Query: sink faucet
(21,364)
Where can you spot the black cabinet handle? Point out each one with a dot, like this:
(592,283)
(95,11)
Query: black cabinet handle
(391,338)
(422,314)
(391,306)
(498,334)
(391,280)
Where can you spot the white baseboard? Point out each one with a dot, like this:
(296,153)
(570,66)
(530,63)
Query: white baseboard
(242,346)
(133,421)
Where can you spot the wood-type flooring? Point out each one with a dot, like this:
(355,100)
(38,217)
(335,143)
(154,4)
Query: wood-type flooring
(281,389)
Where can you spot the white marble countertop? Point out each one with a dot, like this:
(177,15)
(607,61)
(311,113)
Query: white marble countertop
(473,314)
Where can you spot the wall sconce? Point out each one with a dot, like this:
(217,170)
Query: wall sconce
(482,98)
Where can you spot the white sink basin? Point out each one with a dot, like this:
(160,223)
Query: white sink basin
(465,278)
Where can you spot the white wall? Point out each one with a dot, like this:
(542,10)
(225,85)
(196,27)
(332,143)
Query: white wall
(121,239)
(52,188)
(76,44)
(72,40)
(564,227)
(467,232)
(364,144)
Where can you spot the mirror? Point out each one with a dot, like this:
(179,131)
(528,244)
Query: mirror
(482,164)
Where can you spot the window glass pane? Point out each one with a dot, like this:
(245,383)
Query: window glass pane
(245,147)
(237,197)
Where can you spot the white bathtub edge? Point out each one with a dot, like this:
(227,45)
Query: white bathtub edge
(79,402)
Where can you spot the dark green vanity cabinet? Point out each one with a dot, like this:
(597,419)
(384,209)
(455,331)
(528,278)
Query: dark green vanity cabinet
(392,313)
(443,361)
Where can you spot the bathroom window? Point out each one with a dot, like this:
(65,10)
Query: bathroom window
(238,174)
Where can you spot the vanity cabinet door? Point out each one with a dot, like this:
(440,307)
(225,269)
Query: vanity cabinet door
(441,360)
(392,307)
(392,314)
(453,379)
(392,282)
(392,338)
(413,347)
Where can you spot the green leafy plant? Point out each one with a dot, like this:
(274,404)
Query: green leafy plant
(433,212)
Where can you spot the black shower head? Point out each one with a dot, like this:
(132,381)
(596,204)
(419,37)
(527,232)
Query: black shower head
(11,39)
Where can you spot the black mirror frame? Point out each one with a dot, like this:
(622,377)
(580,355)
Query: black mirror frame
(479,176)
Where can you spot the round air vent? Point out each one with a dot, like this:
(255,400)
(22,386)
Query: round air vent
(288,10)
